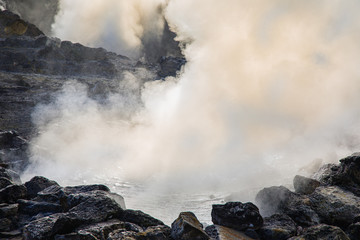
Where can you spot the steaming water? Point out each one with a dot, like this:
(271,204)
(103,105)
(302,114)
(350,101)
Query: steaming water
(270,89)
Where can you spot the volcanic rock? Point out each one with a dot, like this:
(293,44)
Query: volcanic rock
(278,227)
(34,207)
(140,218)
(304,185)
(187,227)
(335,206)
(322,232)
(281,200)
(218,232)
(346,175)
(237,215)
(12,193)
(37,184)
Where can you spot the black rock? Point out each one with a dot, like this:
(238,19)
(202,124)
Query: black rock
(8,210)
(5,224)
(304,185)
(33,207)
(353,231)
(4,182)
(37,184)
(161,232)
(237,215)
(278,227)
(346,175)
(322,232)
(281,200)
(12,193)
(140,218)
(335,206)
(187,227)
(218,232)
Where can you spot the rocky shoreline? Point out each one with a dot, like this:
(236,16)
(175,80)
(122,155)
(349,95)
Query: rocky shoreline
(324,208)
(32,66)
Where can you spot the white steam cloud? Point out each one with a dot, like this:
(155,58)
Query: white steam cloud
(118,25)
(269,87)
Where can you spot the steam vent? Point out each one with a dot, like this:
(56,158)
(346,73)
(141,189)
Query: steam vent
(179,120)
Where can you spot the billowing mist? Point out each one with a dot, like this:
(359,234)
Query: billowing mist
(270,89)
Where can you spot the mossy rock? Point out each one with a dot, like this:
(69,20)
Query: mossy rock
(18,27)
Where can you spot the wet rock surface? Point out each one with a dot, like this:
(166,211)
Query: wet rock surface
(187,227)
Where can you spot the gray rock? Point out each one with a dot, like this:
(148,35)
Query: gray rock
(4,182)
(278,227)
(346,175)
(140,218)
(281,200)
(12,193)
(335,206)
(33,207)
(187,227)
(237,215)
(37,184)
(304,185)
(122,235)
(218,232)
(5,224)
(322,232)
(8,210)
(353,231)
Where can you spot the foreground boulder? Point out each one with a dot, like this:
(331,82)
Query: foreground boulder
(187,227)
(37,184)
(218,232)
(335,206)
(278,227)
(322,232)
(237,215)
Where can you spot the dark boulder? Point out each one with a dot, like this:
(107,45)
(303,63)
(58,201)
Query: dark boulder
(278,227)
(346,175)
(353,231)
(37,184)
(335,206)
(187,227)
(322,232)
(5,224)
(218,232)
(161,232)
(86,188)
(237,215)
(304,185)
(12,193)
(10,174)
(8,210)
(281,200)
(120,234)
(33,207)
(103,229)
(140,218)
(4,182)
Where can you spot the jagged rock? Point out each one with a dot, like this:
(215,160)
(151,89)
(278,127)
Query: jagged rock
(281,200)
(33,207)
(169,66)
(13,150)
(5,224)
(12,25)
(237,215)
(335,206)
(346,175)
(353,231)
(218,232)
(138,217)
(8,210)
(304,185)
(47,227)
(37,184)
(10,174)
(4,182)
(53,194)
(161,232)
(86,188)
(12,193)
(103,229)
(278,227)
(322,232)
(75,236)
(122,235)
(187,227)
(12,235)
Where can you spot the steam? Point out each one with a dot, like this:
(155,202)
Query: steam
(269,87)
(120,26)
